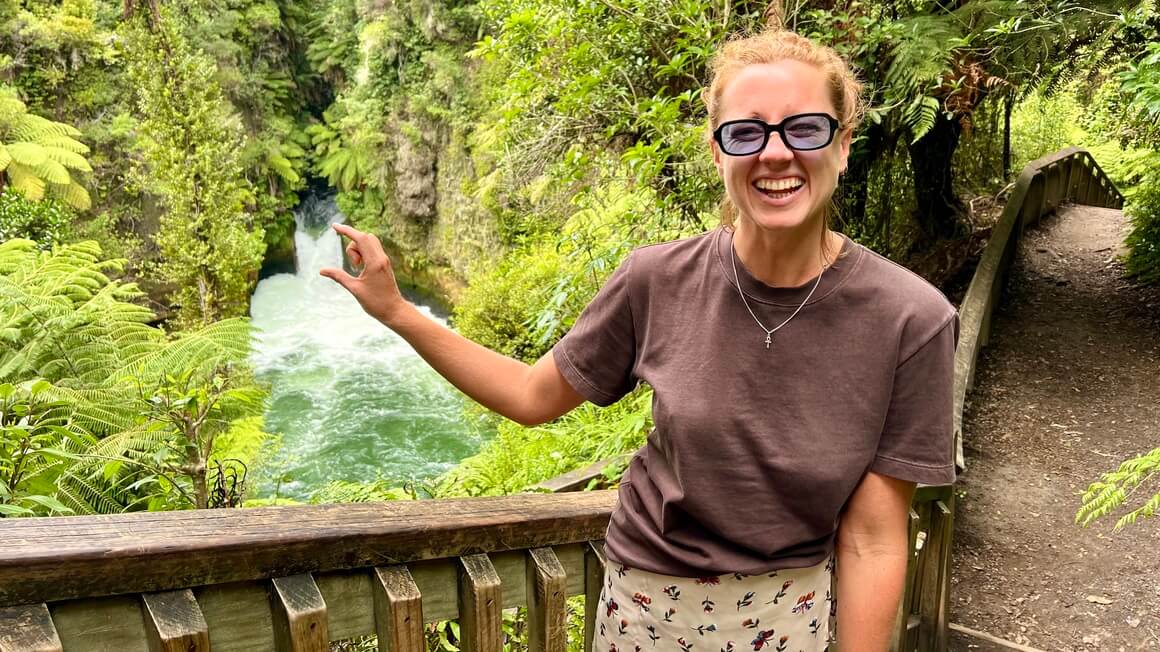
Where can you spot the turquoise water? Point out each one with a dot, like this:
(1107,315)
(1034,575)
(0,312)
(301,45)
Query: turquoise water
(350,399)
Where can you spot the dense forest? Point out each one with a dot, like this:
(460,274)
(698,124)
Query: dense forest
(508,152)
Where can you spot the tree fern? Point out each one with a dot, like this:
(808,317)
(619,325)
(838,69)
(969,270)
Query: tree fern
(38,155)
(62,318)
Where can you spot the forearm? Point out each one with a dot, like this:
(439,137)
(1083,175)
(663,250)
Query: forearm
(871,577)
(495,381)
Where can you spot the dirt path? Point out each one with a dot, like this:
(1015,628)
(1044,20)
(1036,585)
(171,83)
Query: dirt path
(1069,387)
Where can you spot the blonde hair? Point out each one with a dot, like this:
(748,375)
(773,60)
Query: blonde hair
(775,45)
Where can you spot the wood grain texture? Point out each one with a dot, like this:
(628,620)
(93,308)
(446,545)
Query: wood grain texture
(59,558)
(595,562)
(398,610)
(547,587)
(238,616)
(111,624)
(480,605)
(28,628)
(174,622)
(299,615)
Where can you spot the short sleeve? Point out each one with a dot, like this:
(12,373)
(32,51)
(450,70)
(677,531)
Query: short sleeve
(598,354)
(917,441)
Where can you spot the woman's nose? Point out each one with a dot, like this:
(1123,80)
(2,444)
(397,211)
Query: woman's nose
(775,149)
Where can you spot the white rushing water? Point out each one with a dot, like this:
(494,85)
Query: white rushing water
(351,400)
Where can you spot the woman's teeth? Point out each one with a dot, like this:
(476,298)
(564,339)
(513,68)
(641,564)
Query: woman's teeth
(779,188)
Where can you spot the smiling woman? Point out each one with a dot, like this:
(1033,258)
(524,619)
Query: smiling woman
(771,460)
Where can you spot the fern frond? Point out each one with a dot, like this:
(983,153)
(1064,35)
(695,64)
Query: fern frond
(67,158)
(25,182)
(1113,489)
(223,342)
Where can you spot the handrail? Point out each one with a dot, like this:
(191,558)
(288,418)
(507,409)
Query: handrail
(60,558)
(296,578)
(1043,184)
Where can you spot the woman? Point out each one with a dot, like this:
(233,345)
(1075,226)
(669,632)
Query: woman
(802,385)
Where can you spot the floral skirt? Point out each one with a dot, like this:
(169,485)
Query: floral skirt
(780,611)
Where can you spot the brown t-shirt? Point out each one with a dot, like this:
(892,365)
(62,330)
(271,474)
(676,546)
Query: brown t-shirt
(754,451)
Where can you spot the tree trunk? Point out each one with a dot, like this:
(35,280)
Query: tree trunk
(939,210)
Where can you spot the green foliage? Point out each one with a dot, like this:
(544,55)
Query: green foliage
(519,457)
(584,96)
(499,307)
(39,156)
(133,411)
(526,302)
(46,222)
(31,431)
(340,491)
(1115,488)
(189,143)
(1042,124)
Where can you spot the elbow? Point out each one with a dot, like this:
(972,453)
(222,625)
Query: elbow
(529,420)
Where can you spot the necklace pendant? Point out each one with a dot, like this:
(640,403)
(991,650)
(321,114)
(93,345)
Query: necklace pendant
(768,339)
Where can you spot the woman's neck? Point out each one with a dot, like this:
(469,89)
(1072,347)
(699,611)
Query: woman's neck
(786,258)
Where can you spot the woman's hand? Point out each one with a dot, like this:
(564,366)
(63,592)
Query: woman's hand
(375,286)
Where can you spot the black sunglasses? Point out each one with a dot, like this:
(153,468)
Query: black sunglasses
(802,132)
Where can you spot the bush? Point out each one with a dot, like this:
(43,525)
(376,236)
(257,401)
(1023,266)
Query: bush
(45,222)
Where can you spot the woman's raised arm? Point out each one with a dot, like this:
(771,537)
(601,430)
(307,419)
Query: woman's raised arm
(527,394)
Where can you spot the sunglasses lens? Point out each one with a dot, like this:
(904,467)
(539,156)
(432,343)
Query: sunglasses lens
(742,138)
(807,132)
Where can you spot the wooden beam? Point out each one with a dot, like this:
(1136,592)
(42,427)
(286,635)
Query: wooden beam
(984,636)
(547,589)
(299,615)
(594,564)
(480,605)
(28,628)
(398,610)
(61,558)
(174,622)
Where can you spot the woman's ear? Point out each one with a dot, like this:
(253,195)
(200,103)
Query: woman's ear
(717,163)
(845,139)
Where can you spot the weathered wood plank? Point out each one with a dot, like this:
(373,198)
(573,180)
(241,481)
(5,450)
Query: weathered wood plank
(60,558)
(580,478)
(943,615)
(299,612)
(28,628)
(398,610)
(480,603)
(101,624)
(595,562)
(547,587)
(174,622)
(349,598)
(899,636)
(238,616)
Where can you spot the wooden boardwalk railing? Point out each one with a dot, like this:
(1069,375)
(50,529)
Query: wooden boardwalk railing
(296,578)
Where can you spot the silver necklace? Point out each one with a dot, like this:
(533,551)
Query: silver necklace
(768,331)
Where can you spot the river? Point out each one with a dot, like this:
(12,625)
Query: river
(350,399)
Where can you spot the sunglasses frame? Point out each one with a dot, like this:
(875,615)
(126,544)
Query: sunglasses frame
(780,129)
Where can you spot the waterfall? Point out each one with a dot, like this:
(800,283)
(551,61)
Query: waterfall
(350,399)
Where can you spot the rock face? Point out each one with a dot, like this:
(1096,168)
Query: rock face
(415,177)
(437,231)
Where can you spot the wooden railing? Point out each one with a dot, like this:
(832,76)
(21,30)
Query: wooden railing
(296,578)
(1070,175)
